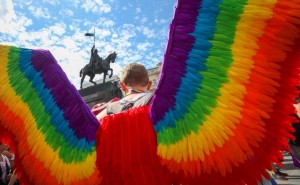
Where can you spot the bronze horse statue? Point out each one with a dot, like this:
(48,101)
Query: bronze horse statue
(99,67)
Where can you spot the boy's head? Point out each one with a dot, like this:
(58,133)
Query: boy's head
(133,75)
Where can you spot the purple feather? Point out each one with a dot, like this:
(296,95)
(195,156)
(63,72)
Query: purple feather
(174,63)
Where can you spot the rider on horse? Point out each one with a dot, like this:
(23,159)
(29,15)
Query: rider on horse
(95,59)
(97,66)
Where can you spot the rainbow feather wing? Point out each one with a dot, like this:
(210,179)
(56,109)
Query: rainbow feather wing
(45,120)
(226,88)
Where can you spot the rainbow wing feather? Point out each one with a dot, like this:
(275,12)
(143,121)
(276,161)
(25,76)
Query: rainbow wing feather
(221,108)
(50,127)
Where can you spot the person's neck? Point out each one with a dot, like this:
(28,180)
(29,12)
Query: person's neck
(134,91)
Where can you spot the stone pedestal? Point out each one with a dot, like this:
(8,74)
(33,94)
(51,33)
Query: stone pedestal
(103,92)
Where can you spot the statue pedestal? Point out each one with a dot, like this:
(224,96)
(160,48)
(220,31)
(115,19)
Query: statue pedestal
(102,92)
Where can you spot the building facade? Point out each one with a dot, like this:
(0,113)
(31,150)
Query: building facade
(153,74)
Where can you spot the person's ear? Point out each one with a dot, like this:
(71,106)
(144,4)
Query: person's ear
(149,85)
(123,86)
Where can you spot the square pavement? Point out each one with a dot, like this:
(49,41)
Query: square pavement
(291,170)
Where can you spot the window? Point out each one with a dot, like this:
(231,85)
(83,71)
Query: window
(154,82)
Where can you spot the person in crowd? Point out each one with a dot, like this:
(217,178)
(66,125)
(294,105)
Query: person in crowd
(9,154)
(295,144)
(5,172)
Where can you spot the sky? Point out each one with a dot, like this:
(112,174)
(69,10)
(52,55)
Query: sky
(137,30)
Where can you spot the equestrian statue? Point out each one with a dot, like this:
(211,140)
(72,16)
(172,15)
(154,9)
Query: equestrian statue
(97,66)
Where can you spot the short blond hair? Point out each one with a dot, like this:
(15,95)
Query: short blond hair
(134,74)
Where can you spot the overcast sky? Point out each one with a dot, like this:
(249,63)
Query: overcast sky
(137,30)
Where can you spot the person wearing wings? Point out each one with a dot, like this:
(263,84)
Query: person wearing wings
(134,83)
(135,105)
(225,93)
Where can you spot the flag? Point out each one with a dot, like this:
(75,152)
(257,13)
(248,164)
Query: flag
(90,34)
